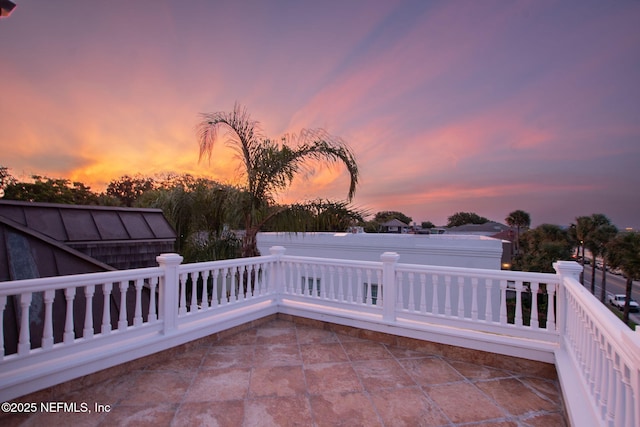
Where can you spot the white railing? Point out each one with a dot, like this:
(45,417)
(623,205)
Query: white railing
(599,356)
(67,327)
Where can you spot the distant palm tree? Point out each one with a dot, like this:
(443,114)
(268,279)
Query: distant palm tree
(584,226)
(604,253)
(270,166)
(624,253)
(519,219)
(601,232)
(541,247)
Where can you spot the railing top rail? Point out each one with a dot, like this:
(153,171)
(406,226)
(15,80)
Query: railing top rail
(235,262)
(74,280)
(609,325)
(332,261)
(482,273)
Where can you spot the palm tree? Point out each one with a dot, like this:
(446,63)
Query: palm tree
(270,166)
(624,253)
(199,210)
(583,226)
(604,253)
(518,219)
(541,247)
(601,232)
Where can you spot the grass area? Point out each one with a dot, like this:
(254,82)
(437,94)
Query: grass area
(618,313)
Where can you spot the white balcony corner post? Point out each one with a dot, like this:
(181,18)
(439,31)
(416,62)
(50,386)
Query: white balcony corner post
(276,279)
(169,290)
(565,270)
(389,285)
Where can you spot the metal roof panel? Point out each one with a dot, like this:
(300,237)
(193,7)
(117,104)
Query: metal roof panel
(136,225)
(47,221)
(110,225)
(79,225)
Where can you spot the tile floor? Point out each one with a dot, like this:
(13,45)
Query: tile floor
(285,374)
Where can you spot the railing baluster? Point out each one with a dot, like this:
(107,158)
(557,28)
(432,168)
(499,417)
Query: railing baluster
(597,371)
(620,398)
(69,334)
(518,316)
(305,279)
(292,279)
(411,304)
(423,293)
(380,295)
(216,288)
(314,281)
(474,298)
(461,312)
(591,357)
(106,308)
(227,283)
(47,332)
(400,290)
(193,308)
(243,280)
(447,296)
(629,405)
(204,302)
(359,286)
(323,282)
(153,311)
(122,321)
(260,272)
(551,314)
(369,286)
(533,322)
(435,304)
(332,284)
(503,302)
(286,276)
(137,314)
(604,377)
(350,284)
(488,306)
(233,284)
(182,304)
(341,294)
(299,273)
(611,387)
(24,342)
(87,332)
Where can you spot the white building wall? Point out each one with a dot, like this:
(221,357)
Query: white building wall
(444,250)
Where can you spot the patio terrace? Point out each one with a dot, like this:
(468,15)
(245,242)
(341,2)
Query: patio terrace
(289,371)
(492,334)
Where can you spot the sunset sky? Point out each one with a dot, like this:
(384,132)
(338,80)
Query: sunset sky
(480,106)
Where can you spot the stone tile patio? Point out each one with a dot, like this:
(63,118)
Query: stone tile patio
(286,373)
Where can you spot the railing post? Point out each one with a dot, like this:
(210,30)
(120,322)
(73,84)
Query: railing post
(565,270)
(389,285)
(168,291)
(276,278)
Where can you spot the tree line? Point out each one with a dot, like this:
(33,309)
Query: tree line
(537,249)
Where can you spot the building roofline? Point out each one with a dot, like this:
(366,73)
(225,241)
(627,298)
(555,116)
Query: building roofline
(53,242)
(79,207)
